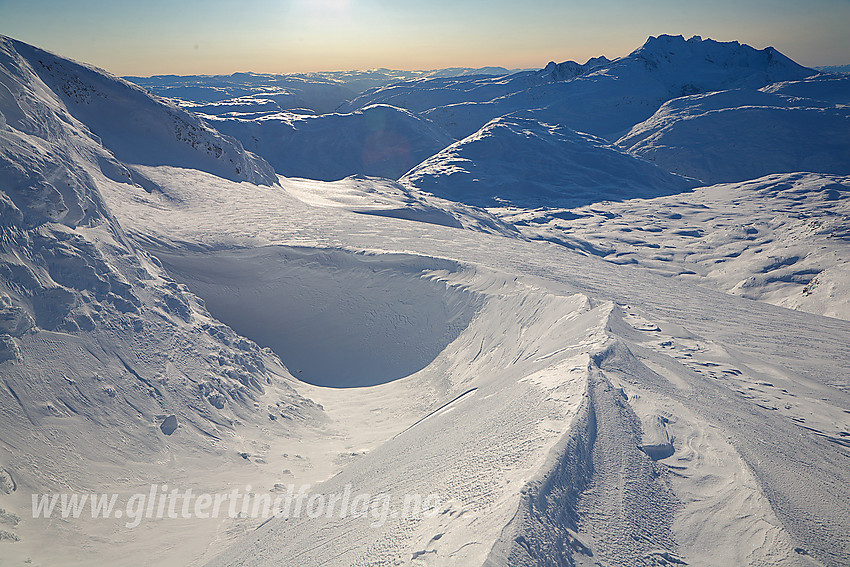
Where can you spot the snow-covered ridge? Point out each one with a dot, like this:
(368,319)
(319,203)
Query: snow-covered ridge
(519,161)
(423,93)
(741,134)
(570,69)
(98,345)
(320,92)
(601,97)
(711,65)
(131,124)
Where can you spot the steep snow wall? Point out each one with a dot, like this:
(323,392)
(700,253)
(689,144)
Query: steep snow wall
(110,371)
(335,319)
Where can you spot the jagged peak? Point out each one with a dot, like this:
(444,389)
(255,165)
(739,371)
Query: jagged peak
(670,47)
(597,62)
(570,69)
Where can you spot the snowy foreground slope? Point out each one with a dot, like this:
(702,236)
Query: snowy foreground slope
(705,374)
(549,382)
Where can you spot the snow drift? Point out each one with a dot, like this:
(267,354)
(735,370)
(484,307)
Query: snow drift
(338,320)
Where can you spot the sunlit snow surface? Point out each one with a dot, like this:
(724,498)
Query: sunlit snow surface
(612,378)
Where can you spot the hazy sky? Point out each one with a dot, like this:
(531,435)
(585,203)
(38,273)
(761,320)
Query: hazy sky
(224,36)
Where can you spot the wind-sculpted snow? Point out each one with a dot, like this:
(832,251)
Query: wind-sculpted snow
(387,198)
(337,319)
(716,368)
(513,378)
(780,238)
(378,140)
(743,134)
(98,346)
(525,163)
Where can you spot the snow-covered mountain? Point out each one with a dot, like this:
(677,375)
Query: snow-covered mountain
(522,162)
(320,92)
(601,368)
(378,140)
(134,126)
(608,100)
(743,134)
(424,93)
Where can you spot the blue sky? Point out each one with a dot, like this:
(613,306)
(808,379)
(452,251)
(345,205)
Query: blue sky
(224,36)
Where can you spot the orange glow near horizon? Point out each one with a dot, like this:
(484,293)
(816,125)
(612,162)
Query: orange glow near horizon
(285,36)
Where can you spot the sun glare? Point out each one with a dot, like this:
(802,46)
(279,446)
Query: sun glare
(327,8)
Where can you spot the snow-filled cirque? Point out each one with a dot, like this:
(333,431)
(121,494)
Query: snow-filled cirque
(592,314)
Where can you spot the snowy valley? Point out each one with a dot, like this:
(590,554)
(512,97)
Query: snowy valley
(592,314)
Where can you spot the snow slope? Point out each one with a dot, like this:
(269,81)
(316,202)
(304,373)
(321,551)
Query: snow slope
(378,140)
(386,198)
(135,127)
(98,345)
(714,367)
(743,134)
(780,238)
(526,163)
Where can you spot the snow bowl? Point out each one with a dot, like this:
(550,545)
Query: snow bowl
(335,318)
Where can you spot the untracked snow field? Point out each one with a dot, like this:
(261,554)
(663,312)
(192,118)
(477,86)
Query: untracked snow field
(706,369)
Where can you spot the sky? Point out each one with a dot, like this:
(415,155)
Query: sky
(284,36)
